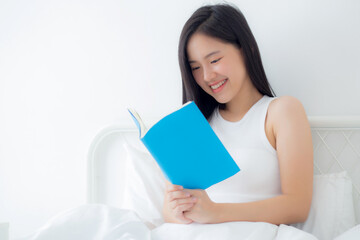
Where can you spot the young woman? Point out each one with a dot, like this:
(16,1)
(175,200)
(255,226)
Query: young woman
(268,137)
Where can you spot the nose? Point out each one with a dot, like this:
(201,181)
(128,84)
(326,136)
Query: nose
(208,74)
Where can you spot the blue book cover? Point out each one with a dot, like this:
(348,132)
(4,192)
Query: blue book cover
(187,149)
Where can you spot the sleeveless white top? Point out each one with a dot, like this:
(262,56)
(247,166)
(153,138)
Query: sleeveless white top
(246,141)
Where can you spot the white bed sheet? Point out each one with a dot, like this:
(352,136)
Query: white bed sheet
(101,222)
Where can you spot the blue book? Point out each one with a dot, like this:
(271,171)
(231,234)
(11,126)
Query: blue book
(187,149)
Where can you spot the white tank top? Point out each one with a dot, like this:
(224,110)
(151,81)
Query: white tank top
(246,141)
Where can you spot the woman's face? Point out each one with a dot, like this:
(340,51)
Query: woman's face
(218,67)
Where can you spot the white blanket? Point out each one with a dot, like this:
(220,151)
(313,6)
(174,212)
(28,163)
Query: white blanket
(229,231)
(100,222)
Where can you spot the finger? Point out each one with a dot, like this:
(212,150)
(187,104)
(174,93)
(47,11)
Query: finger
(187,220)
(180,212)
(184,220)
(183,207)
(187,215)
(178,195)
(173,204)
(195,192)
(172,187)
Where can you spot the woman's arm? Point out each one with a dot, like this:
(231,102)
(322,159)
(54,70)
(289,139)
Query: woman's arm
(293,142)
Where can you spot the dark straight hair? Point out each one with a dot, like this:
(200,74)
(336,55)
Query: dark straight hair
(228,24)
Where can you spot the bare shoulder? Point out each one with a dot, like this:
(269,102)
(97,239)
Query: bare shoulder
(285,105)
(287,110)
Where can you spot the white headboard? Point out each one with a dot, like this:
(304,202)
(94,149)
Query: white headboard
(336,143)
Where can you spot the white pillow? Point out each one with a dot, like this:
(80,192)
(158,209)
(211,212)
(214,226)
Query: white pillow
(332,207)
(352,234)
(145,188)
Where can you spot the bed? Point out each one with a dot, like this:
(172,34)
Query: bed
(336,142)
(125,190)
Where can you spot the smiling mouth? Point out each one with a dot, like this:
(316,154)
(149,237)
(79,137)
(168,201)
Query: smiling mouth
(216,86)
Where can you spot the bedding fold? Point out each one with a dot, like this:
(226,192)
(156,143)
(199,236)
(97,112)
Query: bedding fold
(101,222)
(93,222)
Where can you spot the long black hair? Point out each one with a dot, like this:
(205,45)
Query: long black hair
(228,24)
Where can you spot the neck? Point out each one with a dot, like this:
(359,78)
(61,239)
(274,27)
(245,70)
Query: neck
(240,104)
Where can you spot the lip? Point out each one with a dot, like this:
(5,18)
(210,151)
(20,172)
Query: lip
(221,87)
(217,82)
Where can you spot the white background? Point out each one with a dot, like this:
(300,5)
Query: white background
(68,68)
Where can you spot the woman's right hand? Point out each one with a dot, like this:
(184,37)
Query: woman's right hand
(176,202)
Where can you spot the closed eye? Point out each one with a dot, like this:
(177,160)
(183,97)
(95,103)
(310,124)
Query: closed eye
(212,62)
(215,61)
(195,68)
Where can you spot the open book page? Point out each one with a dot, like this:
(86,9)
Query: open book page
(138,121)
(141,125)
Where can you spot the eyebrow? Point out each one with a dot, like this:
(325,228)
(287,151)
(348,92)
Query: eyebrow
(207,56)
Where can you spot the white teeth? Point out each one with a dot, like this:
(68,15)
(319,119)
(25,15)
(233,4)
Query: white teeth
(218,85)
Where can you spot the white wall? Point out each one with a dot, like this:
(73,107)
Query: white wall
(68,68)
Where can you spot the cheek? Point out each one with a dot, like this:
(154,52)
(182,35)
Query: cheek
(198,78)
(234,70)
(224,68)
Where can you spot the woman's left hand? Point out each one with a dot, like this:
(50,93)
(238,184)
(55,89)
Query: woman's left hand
(204,209)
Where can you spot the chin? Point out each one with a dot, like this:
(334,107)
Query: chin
(222,100)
